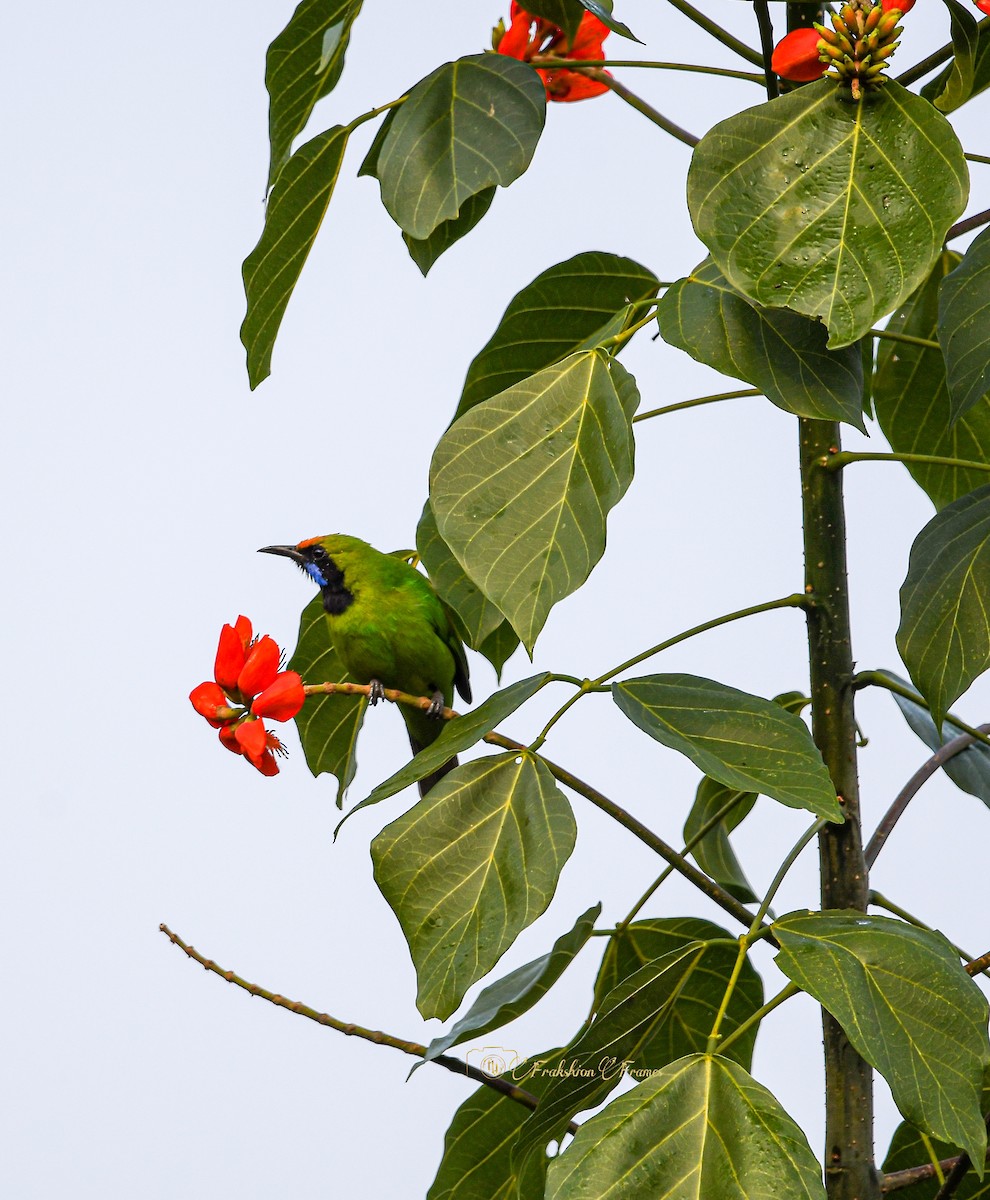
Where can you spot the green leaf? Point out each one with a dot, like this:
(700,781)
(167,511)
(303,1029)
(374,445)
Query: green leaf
(602,9)
(558,313)
(521,484)
(944,634)
(477,620)
(964,327)
(425,251)
(835,209)
(907,1006)
(369,164)
(912,403)
(477,1154)
(661,1011)
(499,646)
(328,725)
(565,14)
(774,349)
(458,734)
(296,207)
(970,768)
(303,65)
(516,994)
(909,1148)
(702,1127)
(958,84)
(470,125)
(713,853)
(743,741)
(981,68)
(470,866)
(685,1028)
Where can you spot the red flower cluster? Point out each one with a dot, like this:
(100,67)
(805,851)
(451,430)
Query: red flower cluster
(530,37)
(796,56)
(247,686)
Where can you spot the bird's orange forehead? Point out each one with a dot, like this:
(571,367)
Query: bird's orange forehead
(307,542)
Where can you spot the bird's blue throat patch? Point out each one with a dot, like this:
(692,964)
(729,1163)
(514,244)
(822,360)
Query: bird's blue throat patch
(314,572)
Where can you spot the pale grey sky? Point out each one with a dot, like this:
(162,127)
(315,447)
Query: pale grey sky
(140,477)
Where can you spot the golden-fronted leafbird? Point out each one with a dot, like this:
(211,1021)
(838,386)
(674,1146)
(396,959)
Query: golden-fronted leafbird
(388,628)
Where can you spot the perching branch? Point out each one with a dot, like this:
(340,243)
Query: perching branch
(458,1066)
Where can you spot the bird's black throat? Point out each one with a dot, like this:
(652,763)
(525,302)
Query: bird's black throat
(336,596)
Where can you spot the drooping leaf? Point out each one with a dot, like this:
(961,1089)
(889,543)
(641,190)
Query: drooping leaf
(602,9)
(477,1153)
(565,14)
(803,204)
(425,251)
(701,1129)
(714,853)
(296,207)
(743,741)
(555,315)
(521,484)
(457,735)
(907,1006)
(779,351)
(981,68)
(970,768)
(303,65)
(964,327)
(516,994)
(499,646)
(470,866)
(369,164)
(958,85)
(944,634)
(476,618)
(912,403)
(468,126)
(328,725)
(661,1011)
(686,1028)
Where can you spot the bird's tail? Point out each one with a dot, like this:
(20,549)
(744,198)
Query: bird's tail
(428,782)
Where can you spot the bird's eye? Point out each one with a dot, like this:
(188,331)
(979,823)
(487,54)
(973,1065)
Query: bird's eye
(319,555)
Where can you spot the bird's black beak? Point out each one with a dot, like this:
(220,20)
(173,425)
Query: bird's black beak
(286,552)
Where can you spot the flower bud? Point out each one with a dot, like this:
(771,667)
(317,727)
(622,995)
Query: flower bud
(797,57)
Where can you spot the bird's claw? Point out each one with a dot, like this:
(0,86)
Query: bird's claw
(436,706)
(376,692)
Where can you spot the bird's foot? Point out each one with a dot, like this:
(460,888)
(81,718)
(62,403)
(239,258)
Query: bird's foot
(436,706)
(376,692)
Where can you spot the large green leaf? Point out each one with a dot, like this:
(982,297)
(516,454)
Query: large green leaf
(964,327)
(425,251)
(701,1129)
(714,853)
(774,349)
(295,211)
(476,618)
(907,1006)
(470,866)
(912,403)
(516,994)
(686,1027)
(970,768)
(958,84)
(944,634)
(661,1011)
(909,1148)
(835,209)
(469,125)
(303,65)
(521,484)
(328,725)
(477,1151)
(981,68)
(743,741)
(553,316)
(457,735)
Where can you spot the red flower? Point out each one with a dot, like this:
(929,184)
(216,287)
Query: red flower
(795,57)
(904,6)
(247,685)
(983,6)
(529,37)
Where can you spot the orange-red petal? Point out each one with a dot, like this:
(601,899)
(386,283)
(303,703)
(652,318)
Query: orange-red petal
(266,764)
(252,739)
(515,40)
(903,6)
(282,699)
(231,653)
(261,667)
(208,700)
(589,37)
(795,56)
(565,86)
(228,738)
(983,6)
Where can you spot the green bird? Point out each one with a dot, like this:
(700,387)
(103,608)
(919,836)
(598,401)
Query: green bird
(389,629)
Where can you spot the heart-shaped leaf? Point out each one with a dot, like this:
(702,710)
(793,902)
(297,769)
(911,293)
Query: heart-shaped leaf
(835,209)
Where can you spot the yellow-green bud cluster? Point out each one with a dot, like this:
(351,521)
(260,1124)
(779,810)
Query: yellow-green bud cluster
(857,47)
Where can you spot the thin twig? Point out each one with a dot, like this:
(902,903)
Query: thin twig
(968,224)
(717,32)
(552,63)
(904,797)
(765,25)
(458,1066)
(669,408)
(640,105)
